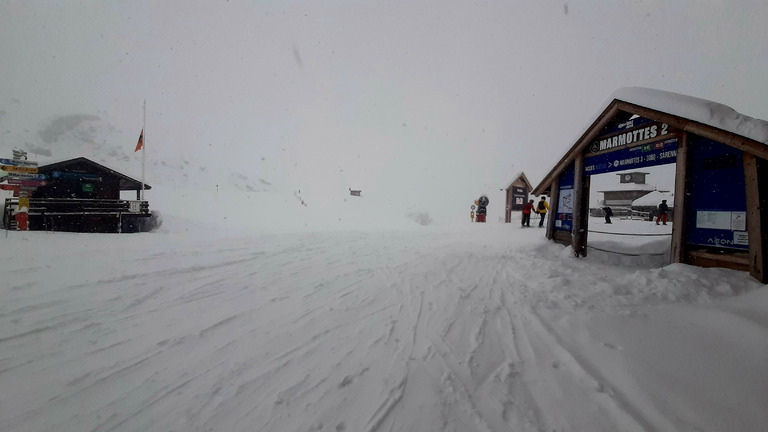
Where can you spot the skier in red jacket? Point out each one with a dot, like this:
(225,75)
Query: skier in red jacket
(527,209)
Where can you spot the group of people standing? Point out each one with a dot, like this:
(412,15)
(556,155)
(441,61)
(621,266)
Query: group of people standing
(661,217)
(541,209)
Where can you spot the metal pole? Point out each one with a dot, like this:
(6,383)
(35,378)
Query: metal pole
(144,150)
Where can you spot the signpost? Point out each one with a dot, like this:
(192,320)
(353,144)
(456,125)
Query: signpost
(15,162)
(658,153)
(19,169)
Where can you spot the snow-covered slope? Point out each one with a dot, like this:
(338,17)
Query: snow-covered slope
(485,328)
(92,136)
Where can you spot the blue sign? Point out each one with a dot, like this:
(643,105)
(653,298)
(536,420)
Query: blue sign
(626,125)
(716,210)
(74,175)
(14,162)
(564,210)
(658,153)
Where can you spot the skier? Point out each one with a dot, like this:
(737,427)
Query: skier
(542,209)
(663,209)
(527,209)
(608,214)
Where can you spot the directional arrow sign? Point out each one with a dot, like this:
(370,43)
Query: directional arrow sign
(23,176)
(15,162)
(27,182)
(19,169)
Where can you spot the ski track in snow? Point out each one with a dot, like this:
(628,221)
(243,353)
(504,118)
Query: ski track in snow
(406,331)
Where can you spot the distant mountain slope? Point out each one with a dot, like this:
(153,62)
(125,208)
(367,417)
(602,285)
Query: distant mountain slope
(86,135)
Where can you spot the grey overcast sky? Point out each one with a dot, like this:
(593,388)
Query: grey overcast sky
(412,99)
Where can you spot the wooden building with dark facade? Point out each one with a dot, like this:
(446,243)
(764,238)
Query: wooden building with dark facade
(721,182)
(516,195)
(80,195)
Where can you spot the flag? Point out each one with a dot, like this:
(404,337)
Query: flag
(140,144)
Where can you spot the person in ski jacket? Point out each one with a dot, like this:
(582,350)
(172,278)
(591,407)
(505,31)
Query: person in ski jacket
(527,209)
(542,209)
(608,214)
(663,209)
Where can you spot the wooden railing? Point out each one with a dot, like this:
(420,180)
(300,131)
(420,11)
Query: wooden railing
(68,207)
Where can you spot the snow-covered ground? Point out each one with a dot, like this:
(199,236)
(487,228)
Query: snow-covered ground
(484,327)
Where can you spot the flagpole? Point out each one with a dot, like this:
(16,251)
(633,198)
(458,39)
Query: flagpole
(144,150)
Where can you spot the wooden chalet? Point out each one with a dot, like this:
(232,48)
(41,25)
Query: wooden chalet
(516,195)
(80,195)
(721,183)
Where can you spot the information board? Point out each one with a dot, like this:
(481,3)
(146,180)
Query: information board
(657,153)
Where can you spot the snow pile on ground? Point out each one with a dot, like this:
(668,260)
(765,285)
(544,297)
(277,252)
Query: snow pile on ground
(485,327)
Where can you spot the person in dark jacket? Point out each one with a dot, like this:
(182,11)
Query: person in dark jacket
(527,210)
(663,209)
(608,214)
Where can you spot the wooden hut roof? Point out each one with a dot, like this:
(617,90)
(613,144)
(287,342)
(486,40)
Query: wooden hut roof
(698,116)
(519,176)
(126,183)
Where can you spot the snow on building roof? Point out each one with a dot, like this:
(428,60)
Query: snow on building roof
(623,187)
(653,199)
(701,110)
(519,175)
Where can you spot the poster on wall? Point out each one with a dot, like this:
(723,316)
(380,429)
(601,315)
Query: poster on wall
(564,216)
(564,212)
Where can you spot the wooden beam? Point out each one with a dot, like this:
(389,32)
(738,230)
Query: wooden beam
(736,261)
(554,198)
(579,222)
(589,135)
(756,229)
(677,248)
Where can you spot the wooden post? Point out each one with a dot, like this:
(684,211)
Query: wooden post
(677,248)
(508,208)
(756,229)
(579,224)
(554,200)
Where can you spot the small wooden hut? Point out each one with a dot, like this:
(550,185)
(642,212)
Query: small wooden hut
(516,195)
(80,195)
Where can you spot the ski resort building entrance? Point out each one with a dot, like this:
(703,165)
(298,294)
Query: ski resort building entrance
(721,180)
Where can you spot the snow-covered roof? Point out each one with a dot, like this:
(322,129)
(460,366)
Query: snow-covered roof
(701,110)
(519,175)
(624,187)
(653,199)
(710,119)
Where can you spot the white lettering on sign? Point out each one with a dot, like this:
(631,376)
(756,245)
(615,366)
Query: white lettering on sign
(642,134)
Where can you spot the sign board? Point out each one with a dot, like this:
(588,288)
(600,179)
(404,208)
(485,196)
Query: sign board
(134,206)
(87,187)
(717,210)
(19,169)
(656,153)
(564,212)
(75,175)
(25,176)
(631,132)
(25,182)
(21,163)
